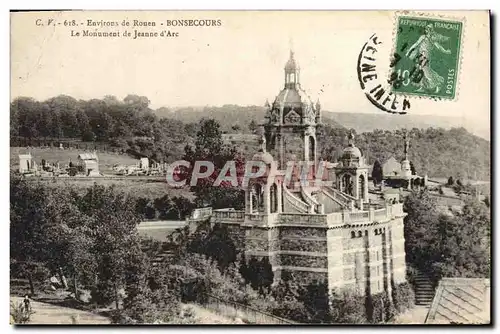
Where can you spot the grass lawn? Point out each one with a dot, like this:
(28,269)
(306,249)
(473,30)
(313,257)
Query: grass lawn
(146,187)
(138,188)
(50,314)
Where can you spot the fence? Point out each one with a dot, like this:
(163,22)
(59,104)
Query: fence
(244,312)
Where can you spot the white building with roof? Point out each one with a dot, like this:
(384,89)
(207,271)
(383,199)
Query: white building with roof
(26,163)
(88,163)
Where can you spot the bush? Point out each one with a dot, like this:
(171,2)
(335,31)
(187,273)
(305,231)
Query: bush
(348,308)
(18,313)
(375,308)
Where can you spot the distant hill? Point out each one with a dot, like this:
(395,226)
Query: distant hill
(233,115)
(228,116)
(362,122)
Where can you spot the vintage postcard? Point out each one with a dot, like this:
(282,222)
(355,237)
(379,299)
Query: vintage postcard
(250,167)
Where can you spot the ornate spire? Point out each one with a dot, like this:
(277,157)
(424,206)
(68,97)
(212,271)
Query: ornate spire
(318,105)
(291,64)
(350,138)
(267,104)
(407,144)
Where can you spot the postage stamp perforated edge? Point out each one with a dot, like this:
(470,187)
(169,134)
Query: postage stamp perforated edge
(435,16)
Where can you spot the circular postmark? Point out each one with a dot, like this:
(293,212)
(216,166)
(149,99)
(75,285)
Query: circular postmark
(373,80)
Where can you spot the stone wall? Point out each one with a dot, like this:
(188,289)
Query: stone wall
(303,277)
(303,245)
(329,204)
(300,232)
(364,256)
(303,261)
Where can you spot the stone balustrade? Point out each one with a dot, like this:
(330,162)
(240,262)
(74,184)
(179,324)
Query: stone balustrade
(201,213)
(359,216)
(302,219)
(229,215)
(306,219)
(380,213)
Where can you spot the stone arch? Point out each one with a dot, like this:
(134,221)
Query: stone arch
(347,184)
(312,148)
(257,193)
(361,186)
(274,197)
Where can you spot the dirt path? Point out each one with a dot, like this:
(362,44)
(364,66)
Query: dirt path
(58,315)
(416,315)
(205,316)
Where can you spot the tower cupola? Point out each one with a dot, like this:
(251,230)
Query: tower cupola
(292,72)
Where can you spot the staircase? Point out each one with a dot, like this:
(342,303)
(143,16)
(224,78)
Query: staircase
(296,203)
(424,290)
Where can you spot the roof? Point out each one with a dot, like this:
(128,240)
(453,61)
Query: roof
(87,156)
(461,300)
(351,152)
(392,191)
(391,167)
(292,96)
(448,191)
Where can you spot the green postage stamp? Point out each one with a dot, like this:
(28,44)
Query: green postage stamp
(426,57)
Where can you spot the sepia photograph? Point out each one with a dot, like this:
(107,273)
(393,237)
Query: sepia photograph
(278,168)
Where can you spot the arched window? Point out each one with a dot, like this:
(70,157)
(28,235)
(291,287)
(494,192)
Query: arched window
(312,148)
(361,187)
(274,198)
(353,234)
(360,233)
(347,186)
(258,198)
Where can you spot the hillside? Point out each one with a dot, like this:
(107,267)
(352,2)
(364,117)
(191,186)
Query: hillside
(231,115)
(364,122)
(228,116)
(439,147)
(436,152)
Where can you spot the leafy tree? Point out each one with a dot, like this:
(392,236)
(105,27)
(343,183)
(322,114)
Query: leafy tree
(266,275)
(451,181)
(252,126)
(215,243)
(146,208)
(441,245)
(420,229)
(412,169)
(417,182)
(209,147)
(112,221)
(377,173)
(316,302)
(347,308)
(465,242)
(34,215)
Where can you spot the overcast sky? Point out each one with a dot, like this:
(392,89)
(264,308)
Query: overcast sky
(240,62)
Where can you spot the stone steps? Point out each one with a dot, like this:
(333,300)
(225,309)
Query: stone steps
(424,290)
